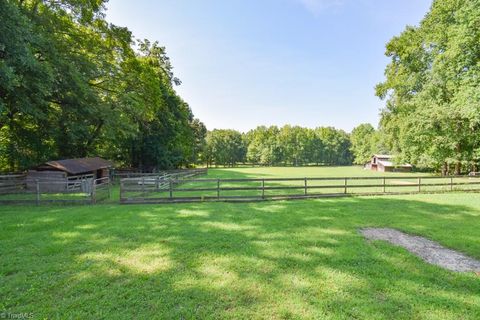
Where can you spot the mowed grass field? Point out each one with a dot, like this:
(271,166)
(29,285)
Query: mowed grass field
(301,172)
(300,259)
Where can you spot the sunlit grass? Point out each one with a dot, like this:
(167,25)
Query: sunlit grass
(273,260)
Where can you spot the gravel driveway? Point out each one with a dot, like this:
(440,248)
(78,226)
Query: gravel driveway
(428,250)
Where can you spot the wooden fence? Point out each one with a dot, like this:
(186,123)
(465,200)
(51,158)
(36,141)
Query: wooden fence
(142,190)
(165,174)
(19,189)
(12,183)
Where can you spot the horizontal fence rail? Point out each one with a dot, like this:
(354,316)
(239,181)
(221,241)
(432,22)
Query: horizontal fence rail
(157,190)
(12,183)
(158,182)
(116,176)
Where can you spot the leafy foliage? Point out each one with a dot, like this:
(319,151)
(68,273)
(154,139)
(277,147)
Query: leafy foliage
(72,85)
(432,88)
(288,145)
(366,141)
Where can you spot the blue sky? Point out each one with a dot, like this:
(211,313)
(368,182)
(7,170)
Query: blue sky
(245,63)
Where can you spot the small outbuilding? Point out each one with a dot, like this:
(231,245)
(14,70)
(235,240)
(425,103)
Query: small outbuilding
(385,163)
(70,170)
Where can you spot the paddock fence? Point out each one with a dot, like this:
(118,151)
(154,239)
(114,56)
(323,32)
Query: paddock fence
(168,190)
(118,175)
(151,183)
(85,189)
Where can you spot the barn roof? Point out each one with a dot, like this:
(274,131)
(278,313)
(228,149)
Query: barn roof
(391,164)
(80,165)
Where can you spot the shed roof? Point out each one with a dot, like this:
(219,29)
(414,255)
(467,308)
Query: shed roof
(80,165)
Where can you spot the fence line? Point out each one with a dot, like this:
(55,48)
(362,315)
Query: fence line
(12,183)
(165,173)
(69,191)
(136,190)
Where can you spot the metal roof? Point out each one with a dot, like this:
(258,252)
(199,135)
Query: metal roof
(391,164)
(80,165)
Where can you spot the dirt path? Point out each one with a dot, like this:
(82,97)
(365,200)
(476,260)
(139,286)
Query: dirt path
(428,250)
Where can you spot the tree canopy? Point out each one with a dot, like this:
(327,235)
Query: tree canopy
(432,89)
(73,85)
(288,145)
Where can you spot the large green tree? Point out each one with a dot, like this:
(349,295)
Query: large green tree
(432,88)
(364,143)
(225,147)
(73,85)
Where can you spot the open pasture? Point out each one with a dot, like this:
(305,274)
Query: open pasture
(269,260)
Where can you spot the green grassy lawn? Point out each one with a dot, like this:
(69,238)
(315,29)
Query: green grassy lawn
(271,260)
(301,172)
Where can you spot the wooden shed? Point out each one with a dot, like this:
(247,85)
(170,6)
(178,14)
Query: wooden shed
(385,163)
(70,170)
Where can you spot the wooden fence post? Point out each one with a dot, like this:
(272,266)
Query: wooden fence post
(451,183)
(93,192)
(38,191)
(419,184)
(305,186)
(170,186)
(143,186)
(384,183)
(345,191)
(157,183)
(218,188)
(263,188)
(121,190)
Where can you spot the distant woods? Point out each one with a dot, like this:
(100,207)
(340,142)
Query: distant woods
(288,145)
(73,85)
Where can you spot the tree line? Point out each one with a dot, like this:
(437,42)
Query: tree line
(74,85)
(288,145)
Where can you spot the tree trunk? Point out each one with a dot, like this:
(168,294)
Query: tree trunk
(445,169)
(458,168)
(458,164)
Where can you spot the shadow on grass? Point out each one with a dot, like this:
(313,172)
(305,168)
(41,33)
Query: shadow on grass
(300,259)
